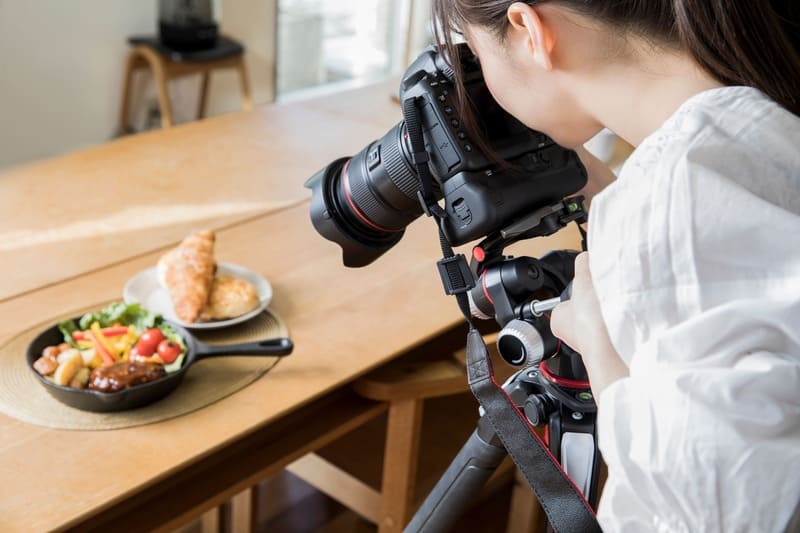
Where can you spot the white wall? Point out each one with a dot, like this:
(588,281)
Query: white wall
(61,68)
(252,22)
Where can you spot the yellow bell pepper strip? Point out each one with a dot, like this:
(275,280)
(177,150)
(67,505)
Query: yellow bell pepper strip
(100,349)
(101,344)
(128,341)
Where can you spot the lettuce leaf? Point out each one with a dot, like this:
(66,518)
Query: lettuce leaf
(121,313)
(66,328)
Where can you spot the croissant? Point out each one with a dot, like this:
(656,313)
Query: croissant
(187,272)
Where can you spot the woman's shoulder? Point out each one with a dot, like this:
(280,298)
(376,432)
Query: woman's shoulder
(704,212)
(730,137)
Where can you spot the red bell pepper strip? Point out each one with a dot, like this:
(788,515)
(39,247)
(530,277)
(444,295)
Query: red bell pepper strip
(98,346)
(113,331)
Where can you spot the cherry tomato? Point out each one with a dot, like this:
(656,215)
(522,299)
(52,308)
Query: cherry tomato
(148,342)
(169,350)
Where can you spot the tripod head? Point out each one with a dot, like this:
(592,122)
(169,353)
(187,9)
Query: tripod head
(551,389)
(507,287)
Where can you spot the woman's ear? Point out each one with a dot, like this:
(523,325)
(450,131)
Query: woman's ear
(527,25)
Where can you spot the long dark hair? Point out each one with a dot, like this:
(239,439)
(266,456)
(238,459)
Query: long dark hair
(738,42)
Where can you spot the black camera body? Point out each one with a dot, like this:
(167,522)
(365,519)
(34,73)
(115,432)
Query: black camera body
(365,203)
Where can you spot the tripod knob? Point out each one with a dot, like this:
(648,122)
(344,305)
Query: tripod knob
(538,408)
(475,307)
(526,343)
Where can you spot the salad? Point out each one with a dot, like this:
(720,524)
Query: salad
(112,349)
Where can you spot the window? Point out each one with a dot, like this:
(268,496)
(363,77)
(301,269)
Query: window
(325,45)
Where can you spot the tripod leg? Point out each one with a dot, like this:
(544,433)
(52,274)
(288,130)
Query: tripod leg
(458,486)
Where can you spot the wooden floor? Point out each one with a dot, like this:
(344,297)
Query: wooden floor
(289,505)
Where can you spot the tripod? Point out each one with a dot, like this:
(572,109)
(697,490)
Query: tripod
(550,390)
(571,439)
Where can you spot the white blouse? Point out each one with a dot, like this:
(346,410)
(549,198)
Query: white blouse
(695,255)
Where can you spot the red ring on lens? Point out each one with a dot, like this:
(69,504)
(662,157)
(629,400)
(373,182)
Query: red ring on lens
(348,196)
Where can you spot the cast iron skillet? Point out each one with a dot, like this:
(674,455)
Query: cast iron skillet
(140,395)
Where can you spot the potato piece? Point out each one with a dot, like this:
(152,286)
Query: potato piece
(81,379)
(91,358)
(67,370)
(51,351)
(45,365)
(66,355)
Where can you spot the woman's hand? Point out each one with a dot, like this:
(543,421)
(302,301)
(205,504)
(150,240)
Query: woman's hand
(578,323)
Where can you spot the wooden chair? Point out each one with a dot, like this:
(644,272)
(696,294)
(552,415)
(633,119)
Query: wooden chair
(167,64)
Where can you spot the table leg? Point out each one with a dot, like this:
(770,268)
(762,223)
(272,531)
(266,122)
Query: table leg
(125,105)
(201,105)
(243,511)
(161,78)
(247,98)
(400,464)
(209,522)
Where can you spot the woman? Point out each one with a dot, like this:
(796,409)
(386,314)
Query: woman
(685,308)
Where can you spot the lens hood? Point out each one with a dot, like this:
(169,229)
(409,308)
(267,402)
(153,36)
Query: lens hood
(332,221)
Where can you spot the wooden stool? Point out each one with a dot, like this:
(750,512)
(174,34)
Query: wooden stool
(167,64)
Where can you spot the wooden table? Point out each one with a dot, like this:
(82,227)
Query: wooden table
(100,206)
(344,322)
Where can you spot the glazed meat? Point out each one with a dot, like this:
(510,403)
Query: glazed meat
(124,374)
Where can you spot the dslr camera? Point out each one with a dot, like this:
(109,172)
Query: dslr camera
(364,202)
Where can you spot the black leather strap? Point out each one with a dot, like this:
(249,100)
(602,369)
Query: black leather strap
(566,508)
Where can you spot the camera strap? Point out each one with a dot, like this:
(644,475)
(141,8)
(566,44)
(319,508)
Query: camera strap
(563,503)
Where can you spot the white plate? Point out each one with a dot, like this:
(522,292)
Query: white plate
(143,288)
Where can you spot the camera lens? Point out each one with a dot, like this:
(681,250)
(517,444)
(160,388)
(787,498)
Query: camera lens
(364,203)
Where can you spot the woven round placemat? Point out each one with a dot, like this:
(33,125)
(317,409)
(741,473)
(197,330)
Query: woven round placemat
(207,381)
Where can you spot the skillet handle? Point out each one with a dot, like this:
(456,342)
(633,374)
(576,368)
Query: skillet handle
(273,347)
